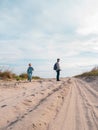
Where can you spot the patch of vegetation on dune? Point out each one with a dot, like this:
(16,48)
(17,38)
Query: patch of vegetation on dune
(93,72)
(9,75)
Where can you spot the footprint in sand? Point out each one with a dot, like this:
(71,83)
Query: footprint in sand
(45,123)
(3,106)
(23,117)
(24,93)
(27,102)
(33,95)
(43,90)
(42,93)
(40,124)
(33,125)
(59,96)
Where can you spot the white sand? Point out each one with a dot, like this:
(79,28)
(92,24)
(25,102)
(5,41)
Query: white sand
(70,104)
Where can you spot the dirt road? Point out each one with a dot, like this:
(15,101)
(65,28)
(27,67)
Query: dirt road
(80,109)
(70,104)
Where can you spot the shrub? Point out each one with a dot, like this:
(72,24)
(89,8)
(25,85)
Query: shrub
(35,77)
(17,78)
(23,76)
(7,74)
(93,72)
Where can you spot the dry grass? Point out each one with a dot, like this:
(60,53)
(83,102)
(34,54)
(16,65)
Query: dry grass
(7,74)
(93,72)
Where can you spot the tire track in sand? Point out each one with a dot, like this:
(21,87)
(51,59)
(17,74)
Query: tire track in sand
(78,111)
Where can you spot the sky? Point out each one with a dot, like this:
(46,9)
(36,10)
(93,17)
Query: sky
(40,31)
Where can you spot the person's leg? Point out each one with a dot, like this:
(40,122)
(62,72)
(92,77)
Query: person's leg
(58,74)
(30,77)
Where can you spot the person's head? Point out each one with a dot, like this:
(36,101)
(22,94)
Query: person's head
(29,64)
(58,60)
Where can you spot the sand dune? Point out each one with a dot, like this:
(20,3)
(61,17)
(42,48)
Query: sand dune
(70,104)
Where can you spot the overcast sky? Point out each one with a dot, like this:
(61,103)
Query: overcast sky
(40,31)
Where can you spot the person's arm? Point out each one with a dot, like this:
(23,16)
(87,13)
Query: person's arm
(58,66)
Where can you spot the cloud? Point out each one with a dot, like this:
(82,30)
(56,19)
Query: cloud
(41,31)
(88,18)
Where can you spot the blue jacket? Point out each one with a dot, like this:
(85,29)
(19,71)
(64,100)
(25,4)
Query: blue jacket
(29,70)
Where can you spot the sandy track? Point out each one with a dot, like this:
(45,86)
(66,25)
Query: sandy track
(70,104)
(80,109)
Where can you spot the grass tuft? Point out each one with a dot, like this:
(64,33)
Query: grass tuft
(93,72)
(7,74)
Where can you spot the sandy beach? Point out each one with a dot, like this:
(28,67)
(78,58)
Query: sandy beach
(45,104)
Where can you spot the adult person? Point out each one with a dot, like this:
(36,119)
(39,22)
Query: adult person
(29,72)
(57,69)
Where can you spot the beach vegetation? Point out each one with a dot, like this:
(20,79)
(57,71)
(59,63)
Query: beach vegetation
(8,74)
(92,72)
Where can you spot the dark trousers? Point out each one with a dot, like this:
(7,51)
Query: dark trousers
(58,75)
